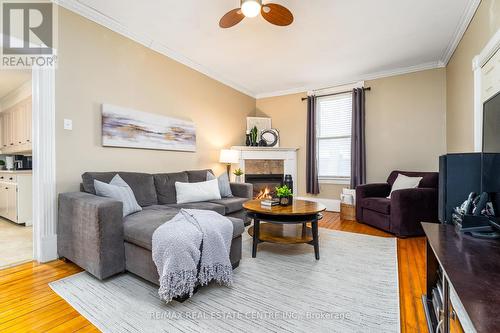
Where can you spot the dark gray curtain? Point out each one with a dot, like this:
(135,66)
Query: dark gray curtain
(358,151)
(312,184)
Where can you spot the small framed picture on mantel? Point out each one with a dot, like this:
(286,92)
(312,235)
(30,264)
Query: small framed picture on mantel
(262,123)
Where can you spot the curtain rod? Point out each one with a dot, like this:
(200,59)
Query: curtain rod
(338,93)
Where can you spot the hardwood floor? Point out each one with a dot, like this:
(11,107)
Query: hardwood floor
(27,304)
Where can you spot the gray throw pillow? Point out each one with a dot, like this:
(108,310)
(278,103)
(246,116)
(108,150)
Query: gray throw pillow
(119,190)
(224,186)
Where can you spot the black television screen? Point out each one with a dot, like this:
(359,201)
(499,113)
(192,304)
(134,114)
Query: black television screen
(491,125)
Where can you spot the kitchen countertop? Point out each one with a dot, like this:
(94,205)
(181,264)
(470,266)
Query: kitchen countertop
(17,171)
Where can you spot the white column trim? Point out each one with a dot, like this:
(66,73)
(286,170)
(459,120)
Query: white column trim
(477,63)
(478,106)
(44,166)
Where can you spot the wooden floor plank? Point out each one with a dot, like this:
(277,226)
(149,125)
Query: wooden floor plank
(27,304)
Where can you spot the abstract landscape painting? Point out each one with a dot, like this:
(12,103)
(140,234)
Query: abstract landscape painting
(128,128)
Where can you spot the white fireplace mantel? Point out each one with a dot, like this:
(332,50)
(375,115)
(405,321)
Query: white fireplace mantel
(287,155)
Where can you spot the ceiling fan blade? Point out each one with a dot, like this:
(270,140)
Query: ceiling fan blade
(231,18)
(277,14)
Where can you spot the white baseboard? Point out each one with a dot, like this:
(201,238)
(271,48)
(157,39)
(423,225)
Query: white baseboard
(48,247)
(331,205)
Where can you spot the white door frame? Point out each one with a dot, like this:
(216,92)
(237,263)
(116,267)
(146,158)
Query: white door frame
(44,166)
(477,64)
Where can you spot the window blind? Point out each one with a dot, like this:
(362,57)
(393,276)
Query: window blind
(334,119)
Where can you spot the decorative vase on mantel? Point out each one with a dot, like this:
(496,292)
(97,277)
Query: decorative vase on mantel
(248,141)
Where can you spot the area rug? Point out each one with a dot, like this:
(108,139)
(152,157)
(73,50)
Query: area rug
(352,288)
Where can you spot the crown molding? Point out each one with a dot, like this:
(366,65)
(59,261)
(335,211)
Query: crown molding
(465,20)
(147,41)
(372,76)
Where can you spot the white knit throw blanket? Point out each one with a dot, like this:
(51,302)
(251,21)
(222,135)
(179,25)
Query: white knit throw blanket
(176,252)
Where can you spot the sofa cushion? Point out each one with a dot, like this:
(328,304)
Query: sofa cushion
(197,192)
(165,186)
(429,179)
(119,190)
(201,205)
(381,205)
(232,204)
(195,176)
(139,227)
(142,184)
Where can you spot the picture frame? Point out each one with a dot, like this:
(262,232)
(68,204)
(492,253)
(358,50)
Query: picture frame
(262,123)
(127,128)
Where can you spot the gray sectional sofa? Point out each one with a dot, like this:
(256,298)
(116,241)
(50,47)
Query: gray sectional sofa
(93,234)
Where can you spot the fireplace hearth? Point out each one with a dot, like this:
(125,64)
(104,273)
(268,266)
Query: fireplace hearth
(264,185)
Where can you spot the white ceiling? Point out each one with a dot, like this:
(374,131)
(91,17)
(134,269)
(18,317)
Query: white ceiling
(12,79)
(331,41)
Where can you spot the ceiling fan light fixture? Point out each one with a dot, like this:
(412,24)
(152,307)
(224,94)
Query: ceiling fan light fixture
(251,8)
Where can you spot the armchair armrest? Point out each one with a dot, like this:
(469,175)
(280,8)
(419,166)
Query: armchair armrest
(409,207)
(379,190)
(242,190)
(90,233)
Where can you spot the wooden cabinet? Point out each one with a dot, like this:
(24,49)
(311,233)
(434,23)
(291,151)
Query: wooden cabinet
(16,128)
(16,197)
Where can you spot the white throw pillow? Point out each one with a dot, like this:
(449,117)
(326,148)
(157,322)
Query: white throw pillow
(196,192)
(119,190)
(404,182)
(224,184)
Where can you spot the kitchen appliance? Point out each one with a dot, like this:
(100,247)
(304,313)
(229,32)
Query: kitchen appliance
(22,162)
(28,162)
(9,162)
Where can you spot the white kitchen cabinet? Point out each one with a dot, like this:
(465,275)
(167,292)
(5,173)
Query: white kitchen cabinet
(16,202)
(16,127)
(11,212)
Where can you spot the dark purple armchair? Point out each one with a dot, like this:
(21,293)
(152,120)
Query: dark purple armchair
(403,212)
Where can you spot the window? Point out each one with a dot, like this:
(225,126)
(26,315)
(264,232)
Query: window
(334,118)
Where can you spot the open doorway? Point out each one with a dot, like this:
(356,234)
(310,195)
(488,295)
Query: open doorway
(16,181)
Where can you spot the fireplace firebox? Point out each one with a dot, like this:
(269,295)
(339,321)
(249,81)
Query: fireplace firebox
(264,185)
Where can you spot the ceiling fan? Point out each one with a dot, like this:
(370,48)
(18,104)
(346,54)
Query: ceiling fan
(271,12)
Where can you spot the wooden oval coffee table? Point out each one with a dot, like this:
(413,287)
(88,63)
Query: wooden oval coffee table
(285,224)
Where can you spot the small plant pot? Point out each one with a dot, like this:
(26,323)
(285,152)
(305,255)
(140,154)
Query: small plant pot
(286,201)
(237,179)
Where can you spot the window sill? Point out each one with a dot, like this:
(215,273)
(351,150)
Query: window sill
(335,181)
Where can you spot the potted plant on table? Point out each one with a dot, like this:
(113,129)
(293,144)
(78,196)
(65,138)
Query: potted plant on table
(285,195)
(238,173)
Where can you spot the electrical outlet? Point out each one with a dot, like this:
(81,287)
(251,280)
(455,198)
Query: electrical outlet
(68,124)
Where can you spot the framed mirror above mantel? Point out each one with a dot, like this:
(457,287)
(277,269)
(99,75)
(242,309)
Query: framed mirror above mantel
(486,67)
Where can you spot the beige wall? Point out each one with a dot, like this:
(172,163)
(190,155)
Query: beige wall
(460,78)
(405,125)
(98,66)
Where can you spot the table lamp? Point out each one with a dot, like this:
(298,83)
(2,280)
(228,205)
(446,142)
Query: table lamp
(229,157)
